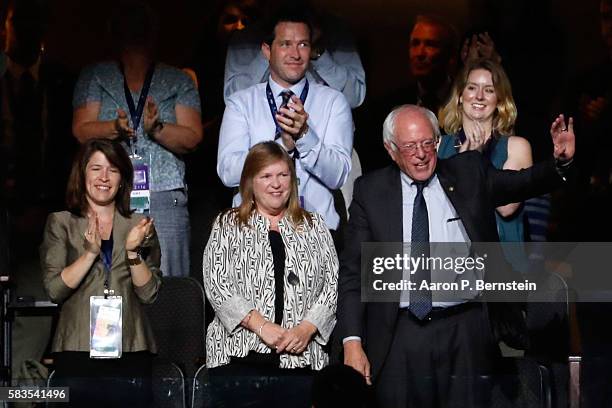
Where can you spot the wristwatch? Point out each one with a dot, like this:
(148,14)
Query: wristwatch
(133,261)
(158,126)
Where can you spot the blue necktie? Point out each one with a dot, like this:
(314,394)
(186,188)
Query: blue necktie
(420,300)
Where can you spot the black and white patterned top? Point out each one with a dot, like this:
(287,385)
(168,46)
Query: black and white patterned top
(239,276)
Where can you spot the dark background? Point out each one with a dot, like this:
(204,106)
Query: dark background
(381,29)
(544,43)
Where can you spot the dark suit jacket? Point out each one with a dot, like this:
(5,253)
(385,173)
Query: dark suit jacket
(473,186)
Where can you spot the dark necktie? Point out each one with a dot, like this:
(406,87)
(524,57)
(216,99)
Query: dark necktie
(286,95)
(420,300)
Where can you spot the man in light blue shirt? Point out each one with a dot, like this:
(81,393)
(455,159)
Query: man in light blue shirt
(314,125)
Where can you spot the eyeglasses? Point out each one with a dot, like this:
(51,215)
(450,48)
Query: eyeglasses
(411,148)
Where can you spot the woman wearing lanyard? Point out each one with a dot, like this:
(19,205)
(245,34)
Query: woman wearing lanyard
(155,110)
(98,253)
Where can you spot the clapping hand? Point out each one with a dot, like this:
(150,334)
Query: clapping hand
(93,241)
(475,137)
(138,234)
(122,124)
(479,46)
(564,139)
(151,116)
(292,119)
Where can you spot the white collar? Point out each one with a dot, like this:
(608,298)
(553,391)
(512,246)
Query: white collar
(296,88)
(408,181)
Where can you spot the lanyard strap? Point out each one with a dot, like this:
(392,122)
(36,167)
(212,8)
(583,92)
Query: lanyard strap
(274,109)
(106,254)
(136,111)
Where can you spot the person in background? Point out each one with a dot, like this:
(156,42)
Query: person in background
(36,151)
(207,195)
(270,272)
(432,49)
(589,97)
(98,246)
(227,19)
(162,124)
(334,60)
(480,115)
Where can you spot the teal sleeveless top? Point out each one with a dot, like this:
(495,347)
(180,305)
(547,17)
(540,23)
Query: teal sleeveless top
(510,229)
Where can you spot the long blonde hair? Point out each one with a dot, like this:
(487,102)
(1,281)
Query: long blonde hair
(260,156)
(451,115)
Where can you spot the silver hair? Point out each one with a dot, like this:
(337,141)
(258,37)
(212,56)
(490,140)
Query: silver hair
(389,123)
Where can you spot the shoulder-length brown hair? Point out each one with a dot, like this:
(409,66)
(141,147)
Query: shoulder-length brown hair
(76,193)
(260,156)
(451,115)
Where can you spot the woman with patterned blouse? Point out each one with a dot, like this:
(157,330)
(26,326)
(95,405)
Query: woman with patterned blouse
(270,273)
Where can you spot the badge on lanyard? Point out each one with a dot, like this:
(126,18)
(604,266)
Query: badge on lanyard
(105,327)
(140,197)
(105,313)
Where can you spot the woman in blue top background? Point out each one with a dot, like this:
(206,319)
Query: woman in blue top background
(480,115)
(168,127)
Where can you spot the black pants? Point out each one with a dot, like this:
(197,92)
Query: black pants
(443,362)
(123,382)
(244,384)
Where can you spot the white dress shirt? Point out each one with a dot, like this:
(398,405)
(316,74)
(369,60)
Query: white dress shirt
(325,150)
(445,226)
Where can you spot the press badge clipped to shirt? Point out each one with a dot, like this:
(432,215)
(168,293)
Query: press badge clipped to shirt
(105,326)
(140,197)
